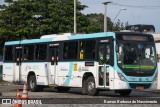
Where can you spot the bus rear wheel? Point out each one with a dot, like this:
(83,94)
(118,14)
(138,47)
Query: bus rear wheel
(32,84)
(124,92)
(91,86)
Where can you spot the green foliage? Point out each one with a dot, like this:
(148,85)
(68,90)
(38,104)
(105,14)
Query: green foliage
(33,18)
(118,26)
(27,19)
(97,23)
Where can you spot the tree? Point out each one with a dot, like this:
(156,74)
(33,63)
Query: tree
(96,23)
(118,26)
(33,18)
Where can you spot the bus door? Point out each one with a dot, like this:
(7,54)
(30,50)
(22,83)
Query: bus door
(104,59)
(18,58)
(53,55)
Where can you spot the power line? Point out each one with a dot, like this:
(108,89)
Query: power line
(133,6)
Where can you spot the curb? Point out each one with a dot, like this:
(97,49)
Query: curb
(3,83)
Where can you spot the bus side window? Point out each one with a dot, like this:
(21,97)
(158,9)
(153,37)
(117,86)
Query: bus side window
(25,56)
(82,50)
(40,51)
(70,50)
(87,49)
(28,52)
(90,49)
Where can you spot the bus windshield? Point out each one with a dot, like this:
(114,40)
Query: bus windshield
(139,57)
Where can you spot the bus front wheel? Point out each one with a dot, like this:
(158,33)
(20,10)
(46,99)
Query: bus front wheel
(91,86)
(32,84)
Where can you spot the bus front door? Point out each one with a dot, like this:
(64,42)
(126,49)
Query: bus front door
(53,55)
(103,70)
(18,58)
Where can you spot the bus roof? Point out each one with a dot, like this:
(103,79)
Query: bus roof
(61,38)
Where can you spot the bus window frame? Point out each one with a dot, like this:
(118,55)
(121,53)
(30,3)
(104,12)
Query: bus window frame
(34,60)
(61,44)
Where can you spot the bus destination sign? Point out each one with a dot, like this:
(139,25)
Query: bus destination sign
(135,38)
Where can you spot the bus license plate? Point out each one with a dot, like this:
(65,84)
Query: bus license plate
(140,87)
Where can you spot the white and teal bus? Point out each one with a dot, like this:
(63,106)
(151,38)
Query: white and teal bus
(119,61)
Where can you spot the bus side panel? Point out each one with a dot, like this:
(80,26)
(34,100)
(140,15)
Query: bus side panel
(79,69)
(40,70)
(118,84)
(71,73)
(8,74)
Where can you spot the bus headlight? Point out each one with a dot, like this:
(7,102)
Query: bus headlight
(121,77)
(156,77)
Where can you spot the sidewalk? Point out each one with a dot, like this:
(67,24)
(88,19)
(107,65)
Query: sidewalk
(7,88)
(149,90)
(4,83)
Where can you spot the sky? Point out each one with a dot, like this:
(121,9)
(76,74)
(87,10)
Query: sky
(132,15)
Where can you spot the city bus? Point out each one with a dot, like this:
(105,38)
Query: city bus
(118,61)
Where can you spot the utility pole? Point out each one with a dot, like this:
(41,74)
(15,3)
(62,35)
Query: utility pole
(75,22)
(105,15)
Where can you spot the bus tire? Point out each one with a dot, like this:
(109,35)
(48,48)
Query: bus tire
(62,89)
(91,86)
(124,92)
(84,88)
(32,84)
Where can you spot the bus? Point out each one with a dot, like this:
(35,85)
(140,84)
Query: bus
(118,61)
(141,28)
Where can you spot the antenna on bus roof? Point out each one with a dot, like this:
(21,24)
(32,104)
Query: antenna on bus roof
(55,35)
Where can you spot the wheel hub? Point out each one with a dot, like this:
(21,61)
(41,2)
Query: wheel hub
(32,84)
(90,86)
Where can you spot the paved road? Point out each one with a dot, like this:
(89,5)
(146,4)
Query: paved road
(74,96)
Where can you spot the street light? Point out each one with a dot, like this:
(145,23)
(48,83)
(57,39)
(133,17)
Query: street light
(105,15)
(119,13)
(75,22)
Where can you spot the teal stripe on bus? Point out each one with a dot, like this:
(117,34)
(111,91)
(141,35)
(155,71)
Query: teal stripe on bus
(29,41)
(67,81)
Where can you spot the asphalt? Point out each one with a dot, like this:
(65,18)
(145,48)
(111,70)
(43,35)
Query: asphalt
(5,86)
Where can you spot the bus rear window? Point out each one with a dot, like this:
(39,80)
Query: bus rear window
(8,53)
